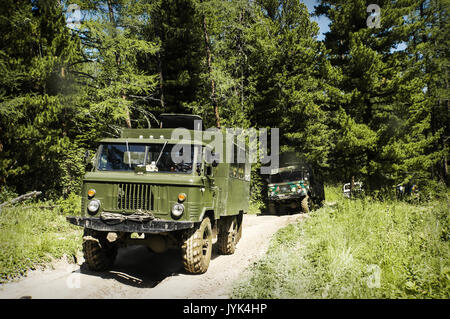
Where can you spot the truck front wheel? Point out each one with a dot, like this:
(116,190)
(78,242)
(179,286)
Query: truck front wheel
(98,252)
(197,247)
(305,204)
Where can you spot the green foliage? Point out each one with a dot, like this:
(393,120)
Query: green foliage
(388,128)
(357,249)
(366,102)
(31,237)
(69,206)
(112,45)
(6,194)
(36,96)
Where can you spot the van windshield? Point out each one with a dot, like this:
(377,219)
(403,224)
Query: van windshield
(287,176)
(173,158)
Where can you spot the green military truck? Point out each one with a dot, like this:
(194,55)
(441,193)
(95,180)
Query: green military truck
(295,188)
(137,194)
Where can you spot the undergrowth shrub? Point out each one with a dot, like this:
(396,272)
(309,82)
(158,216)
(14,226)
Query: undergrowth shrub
(361,248)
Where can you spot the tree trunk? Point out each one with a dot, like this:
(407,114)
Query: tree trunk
(208,56)
(20,198)
(161,82)
(241,53)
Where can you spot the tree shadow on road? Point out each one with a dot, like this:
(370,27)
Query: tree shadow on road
(138,267)
(289,211)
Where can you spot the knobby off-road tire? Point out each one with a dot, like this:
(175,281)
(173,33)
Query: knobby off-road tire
(273,209)
(305,205)
(99,253)
(196,248)
(240,220)
(228,235)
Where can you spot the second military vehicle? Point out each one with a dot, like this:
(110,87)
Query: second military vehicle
(294,187)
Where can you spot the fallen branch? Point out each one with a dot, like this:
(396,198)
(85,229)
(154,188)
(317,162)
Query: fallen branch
(41,207)
(21,198)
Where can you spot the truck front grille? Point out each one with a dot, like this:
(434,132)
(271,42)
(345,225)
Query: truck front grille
(134,196)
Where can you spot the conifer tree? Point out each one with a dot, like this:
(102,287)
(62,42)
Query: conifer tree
(385,130)
(37,59)
(179,62)
(117,89)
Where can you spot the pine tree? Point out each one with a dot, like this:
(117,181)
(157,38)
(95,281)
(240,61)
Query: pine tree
(179,61)
(36,98)
(225,28)
(117,89)
(384,129)
(290,83)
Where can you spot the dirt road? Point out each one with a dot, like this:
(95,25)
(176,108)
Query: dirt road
(138,273)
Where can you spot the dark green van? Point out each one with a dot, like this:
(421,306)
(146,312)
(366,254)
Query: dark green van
(137,194)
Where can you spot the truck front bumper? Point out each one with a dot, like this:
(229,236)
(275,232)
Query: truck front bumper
(287,197)
(131,226)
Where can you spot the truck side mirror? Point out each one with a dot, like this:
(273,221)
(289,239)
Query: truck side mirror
(88,160)
(208,170)
(87,157)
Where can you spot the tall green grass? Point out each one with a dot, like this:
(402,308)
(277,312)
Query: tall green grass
(33,236)
(357,249)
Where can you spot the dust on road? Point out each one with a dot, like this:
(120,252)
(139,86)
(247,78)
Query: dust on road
(137,273)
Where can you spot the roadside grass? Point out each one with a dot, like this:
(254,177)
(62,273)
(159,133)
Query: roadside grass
(31,237)
(254,208)
(355,249)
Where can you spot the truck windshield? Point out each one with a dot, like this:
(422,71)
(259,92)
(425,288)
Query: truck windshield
(155,157)
(287,176)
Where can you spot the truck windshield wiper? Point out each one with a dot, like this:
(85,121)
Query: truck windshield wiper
(129,155)
(161,153)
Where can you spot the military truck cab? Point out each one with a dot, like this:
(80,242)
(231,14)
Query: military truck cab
(152,188)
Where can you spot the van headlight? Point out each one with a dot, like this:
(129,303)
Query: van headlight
(93,206)
(177,210)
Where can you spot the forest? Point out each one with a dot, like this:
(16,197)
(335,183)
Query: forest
(369,100)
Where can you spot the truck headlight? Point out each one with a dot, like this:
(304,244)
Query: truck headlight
(177,210)
(93,206)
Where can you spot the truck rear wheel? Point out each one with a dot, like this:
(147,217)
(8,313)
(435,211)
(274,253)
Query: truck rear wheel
(305,205)
(228,235)
(197,247)
(240,221)
(98,252)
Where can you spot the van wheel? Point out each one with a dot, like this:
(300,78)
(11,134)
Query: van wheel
(197,247)
(272,209)
(228,235)
(305,205)
(98,252)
